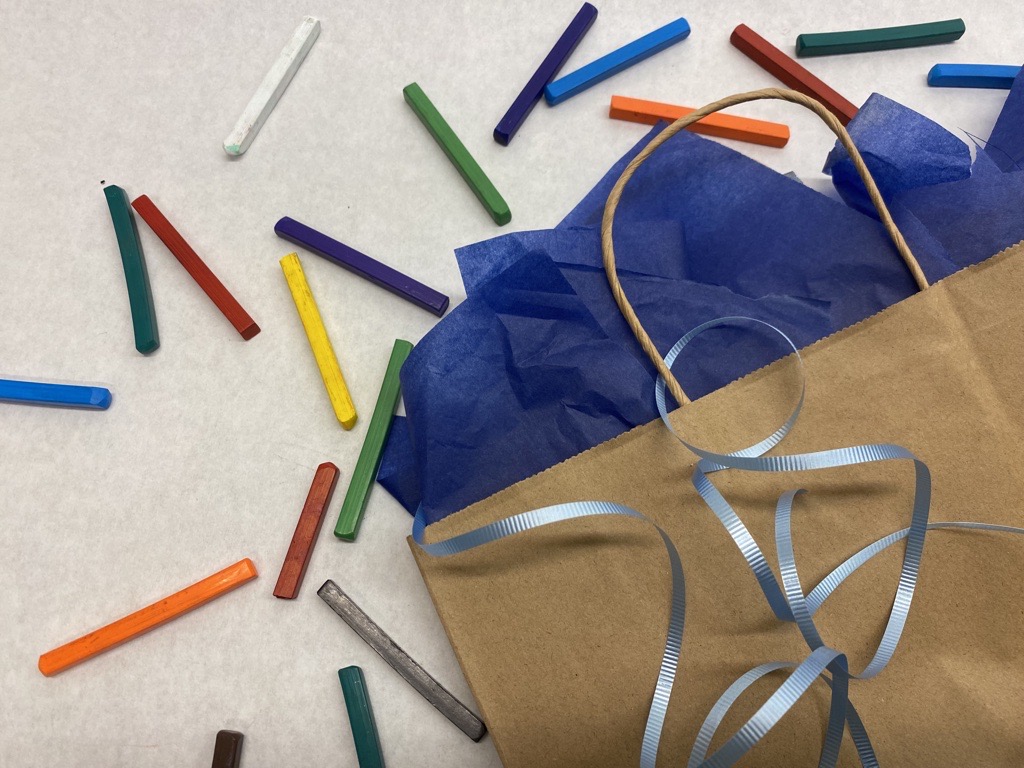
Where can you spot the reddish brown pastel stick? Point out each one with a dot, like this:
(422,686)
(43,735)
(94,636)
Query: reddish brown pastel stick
(195,266)
(306,531)
(775,62)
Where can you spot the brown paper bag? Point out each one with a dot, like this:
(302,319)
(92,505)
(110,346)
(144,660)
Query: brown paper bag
(560,630)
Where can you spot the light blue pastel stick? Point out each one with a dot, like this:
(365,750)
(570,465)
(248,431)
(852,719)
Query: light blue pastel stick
(66,395)
(610,64)
(972,76)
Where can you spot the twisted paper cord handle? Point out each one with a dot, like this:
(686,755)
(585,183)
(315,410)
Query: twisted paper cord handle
(607,240)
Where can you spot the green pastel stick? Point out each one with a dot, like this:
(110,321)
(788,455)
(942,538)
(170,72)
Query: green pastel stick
(886,38)
(360,716)
(368,462)
(458,154)
(140,297)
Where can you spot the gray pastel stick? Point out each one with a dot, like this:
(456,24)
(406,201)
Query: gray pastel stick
(413,673)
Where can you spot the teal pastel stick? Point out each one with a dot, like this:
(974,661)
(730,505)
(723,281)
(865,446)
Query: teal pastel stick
(140,296)
(616,61)
(882,39)
(65,395)
(360,717)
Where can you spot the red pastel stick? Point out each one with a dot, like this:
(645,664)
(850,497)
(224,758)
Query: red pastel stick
(306,532)
(195,266)
(776,63)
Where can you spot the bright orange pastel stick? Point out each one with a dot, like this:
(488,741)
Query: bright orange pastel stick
(722,126)
(148,618)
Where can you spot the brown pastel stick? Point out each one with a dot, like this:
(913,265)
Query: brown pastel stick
(306,531)
(227,751)
(196,267)
(776,63)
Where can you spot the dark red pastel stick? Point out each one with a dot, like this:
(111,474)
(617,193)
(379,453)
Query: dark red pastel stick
(776,63)
(195,266)
(306,532)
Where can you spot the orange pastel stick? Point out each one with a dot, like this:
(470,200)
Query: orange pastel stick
(148,618)
(723,126)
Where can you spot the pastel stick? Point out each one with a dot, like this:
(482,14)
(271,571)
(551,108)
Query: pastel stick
(401,662)
(307,530)
(972,76)
(319,341)
(227,751)
(546,72)
(360,718)
(140,296)
(145,619)
(457,154)
(273,87)
(368,463)
(788,71)
(616,61)
(196,267)
(65,395)
(881,39)
(359,263)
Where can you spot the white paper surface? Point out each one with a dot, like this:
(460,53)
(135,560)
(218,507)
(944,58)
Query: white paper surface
(208,450)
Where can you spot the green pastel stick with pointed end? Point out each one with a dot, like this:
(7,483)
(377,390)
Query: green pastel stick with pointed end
(140,297)
(360,716)
(458,154)
(884,39)
(368,462)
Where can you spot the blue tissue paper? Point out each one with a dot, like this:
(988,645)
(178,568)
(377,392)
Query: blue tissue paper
(538,365)
(1006,144)
(952,213)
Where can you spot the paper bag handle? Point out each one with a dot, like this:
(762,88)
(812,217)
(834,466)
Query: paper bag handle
(608,246)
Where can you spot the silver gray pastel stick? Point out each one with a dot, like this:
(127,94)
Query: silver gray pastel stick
(413,673)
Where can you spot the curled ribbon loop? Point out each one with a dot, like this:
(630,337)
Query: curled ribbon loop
(788,601)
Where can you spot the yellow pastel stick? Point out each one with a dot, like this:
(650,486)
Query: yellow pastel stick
(330,372)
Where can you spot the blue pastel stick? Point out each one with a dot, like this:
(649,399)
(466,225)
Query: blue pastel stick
(530,95)
(616,61)
(972,76)
(66,395)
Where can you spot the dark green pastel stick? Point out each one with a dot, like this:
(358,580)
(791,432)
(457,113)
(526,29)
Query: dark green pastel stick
(140,297)
(368,462)
(360,717)
(458,154)
(886,38)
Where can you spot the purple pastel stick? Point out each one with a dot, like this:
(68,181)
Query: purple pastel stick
(370,269)
(530,95)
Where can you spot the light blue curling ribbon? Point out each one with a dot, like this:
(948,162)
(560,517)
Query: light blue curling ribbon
(788,602)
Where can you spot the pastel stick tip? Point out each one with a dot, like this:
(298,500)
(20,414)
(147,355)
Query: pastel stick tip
(100,398)
(249,331)
(250,567)
(328,465)
(502,216)
(148,346)
(502,137)
(233,149)
(349,422)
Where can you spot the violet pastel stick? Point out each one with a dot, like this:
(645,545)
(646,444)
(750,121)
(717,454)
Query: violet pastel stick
(546,72)
(362,265)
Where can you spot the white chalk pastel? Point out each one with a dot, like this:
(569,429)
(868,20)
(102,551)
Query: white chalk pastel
(267,95)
